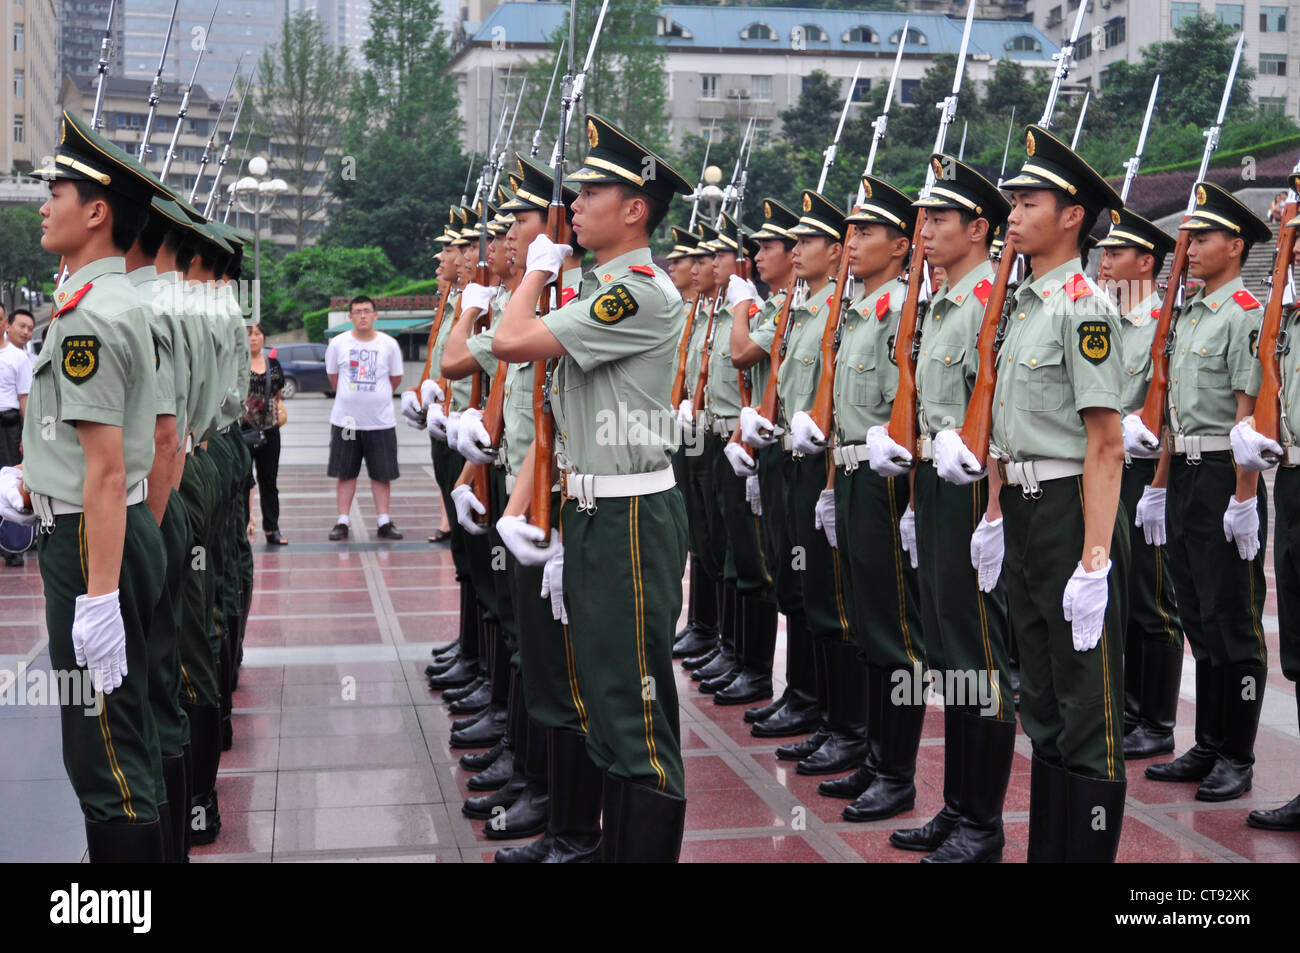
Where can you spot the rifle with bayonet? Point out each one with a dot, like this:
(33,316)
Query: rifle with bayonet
(170,155)
(678,390)
(537,133)
(210,205)
(101,68)
(1078,126)
(977,426)
(558,231)
(212,137)
(1131,164)
(155,88)
(230,194)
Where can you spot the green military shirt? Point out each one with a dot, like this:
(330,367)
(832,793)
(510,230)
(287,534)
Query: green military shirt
(1214,356)
(1136,332)
(203,299)
(610,391)
(96,364)
(480,345)
(1290,368)
(722,391)
(801,368)
(460,390)
(763,333)
(203,397)
(866,377)
(686,313)
(235,371)
(948,362)
(244,353)
(695,349)
(1058,359)
(172,370)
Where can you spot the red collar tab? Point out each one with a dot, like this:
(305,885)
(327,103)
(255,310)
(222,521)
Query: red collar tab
(1077,287)
(642,270)
(882,306)
(1245,299)
(982,290)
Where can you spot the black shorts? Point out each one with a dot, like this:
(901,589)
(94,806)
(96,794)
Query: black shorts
(378,447)
(11,435)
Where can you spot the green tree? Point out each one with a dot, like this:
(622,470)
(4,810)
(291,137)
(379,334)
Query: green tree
(305,280)
(302,84)
(23,262)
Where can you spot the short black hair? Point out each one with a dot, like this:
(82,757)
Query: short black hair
(362,299)
(209,256)
(17,311)
(235,265)
(128,216)
(155,229)
(658,207)
(1159,256)
(1064,201)
(1245,251)
(967,216)
(182,245)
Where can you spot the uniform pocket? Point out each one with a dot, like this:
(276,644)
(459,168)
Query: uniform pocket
(864,385)
(1040,378)
(1211,364)
(946,368)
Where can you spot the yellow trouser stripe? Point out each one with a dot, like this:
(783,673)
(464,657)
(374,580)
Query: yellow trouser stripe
(573,679)
(897,541)
(647,704)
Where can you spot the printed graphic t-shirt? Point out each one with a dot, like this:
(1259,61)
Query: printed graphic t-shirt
(364,399)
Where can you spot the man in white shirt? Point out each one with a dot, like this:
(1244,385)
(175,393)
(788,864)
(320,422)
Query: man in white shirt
(15,384)
(365,369)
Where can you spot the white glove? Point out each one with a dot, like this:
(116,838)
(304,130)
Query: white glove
(431,393)
(824,515)
(739,290)
(954,461)
(752,496)
(99,639)
(686,414)
(1084,604)
(553,586)
(472,437)
(742,464)
(545,255)
(476,297)
(411,410)
(1249,446)
(987,547)
(1241,526)
(907,530)
(755,429)
(806,436)
(1150,516)
(453,429)
(467,504)
(883,453)
(436,422)
(524,540)
(11,497)
(1138,440)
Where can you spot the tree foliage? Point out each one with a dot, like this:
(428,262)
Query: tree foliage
(305,280)
(23,262)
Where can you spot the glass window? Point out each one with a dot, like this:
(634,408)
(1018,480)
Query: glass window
(1114,31)
(1178,12)
(709,86)
(1023,43)
(762,87)
(18,128)
(910,87)
(18,83)
(762,131)
(1272,64)
(861,34)
(861,89)
(1272,19)
(1273,104)
(1053,16)
(914,38)
(1229,14)
(18,38)
(811,32)
(758,31)
(1083,49)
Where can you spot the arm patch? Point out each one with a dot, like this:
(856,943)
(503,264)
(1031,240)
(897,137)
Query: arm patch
(614,304)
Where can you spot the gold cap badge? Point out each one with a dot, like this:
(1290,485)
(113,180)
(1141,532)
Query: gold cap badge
(1201,198)
(1029,142)
(866,188)
(592,137)
(767,209)
(63,130)
(937,166)
(807,203)
(1114,217)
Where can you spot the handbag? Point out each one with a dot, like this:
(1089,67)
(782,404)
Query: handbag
(281,413)
(254,437)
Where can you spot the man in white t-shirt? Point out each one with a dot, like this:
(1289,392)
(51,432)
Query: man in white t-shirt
(364,368)
(15,384)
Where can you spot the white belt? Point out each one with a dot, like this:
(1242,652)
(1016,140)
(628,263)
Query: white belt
(189,443)
(925,447)
(1030,474)
(850,456)
(587,488)
(510,484)
(787,443)
(47,507)
(724,426)
(1291,457)
(1193,447)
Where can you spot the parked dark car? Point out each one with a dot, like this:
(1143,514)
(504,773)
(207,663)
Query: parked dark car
(304,369)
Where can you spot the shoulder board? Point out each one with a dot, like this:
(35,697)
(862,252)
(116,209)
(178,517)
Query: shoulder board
(1242,297)
(1077,287)
(753,309)
(982,290)
(73,300)
(642,269)
(1155,313)
(882,306)
(567,295)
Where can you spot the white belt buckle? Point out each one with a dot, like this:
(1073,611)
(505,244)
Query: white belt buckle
(1291,457)
(1028,479)
(925,448)
(850,457)
(42,508)
(1192,450)
(583,488)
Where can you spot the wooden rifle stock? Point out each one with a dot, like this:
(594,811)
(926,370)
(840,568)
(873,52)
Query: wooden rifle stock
(1153,408)
(697,397)
(480,481)
(823,399)
(1268,406)
(433,339)
(977,427)
(683,350)
(443,381)
(767,409)
(539,512)
(902,416)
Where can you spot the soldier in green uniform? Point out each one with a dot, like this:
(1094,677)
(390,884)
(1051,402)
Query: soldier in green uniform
(840,741)
(957,545)
(753,345)
(624,530)
(1132,255)
(1057,443)
(1217,512)
(879,580)
(88,439)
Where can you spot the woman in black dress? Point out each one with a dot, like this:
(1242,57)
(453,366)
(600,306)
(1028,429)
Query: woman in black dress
(266,380)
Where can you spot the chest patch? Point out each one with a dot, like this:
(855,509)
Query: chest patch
(80,357)
(614,305)
(1094,341)
(1254,341)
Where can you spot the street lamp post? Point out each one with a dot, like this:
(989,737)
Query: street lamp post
(257,195)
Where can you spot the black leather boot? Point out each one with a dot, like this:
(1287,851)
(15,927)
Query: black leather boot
(798,716)
(893,790)
(462,672)
(852,785)
(725,666)
(847,746)
(1243,699)
(641,825)
(479,760)
(464,691)
(1284,818)
(1047,812)
(1195,764)
(474,702)
(758,621)
(816,713)
(701,629)
(464,668)
(1162,675)
(503,767)
(704,658)
(987,748)
(438,666)
(753,715)
(123,843)
(934,832)
(460,724)
(204,820)
(1132,681)
(573,832)
(178,801)
(441,647)
(485,732)
(529,812)
(1092,835)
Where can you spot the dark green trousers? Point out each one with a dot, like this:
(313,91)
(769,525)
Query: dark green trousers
(965,629)
(775,472)
(708,537)
(880,587)
(1071,702)
(1152,606)
(1286,567)
(499,561)
(552,694)
(746,564)
(623,566)
(164,632)
(447,464)
(111,754)
(198,661)
(1220,595)
(820,568)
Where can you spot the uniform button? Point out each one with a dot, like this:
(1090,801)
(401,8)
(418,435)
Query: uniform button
(1033,362)
(1022,315)
(798,324)
(926,351)
(1183,351)
(1203,351)
(1193,320)
(1130,370)
(947,360)
(859,367)
(606,277)
(1002,403)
